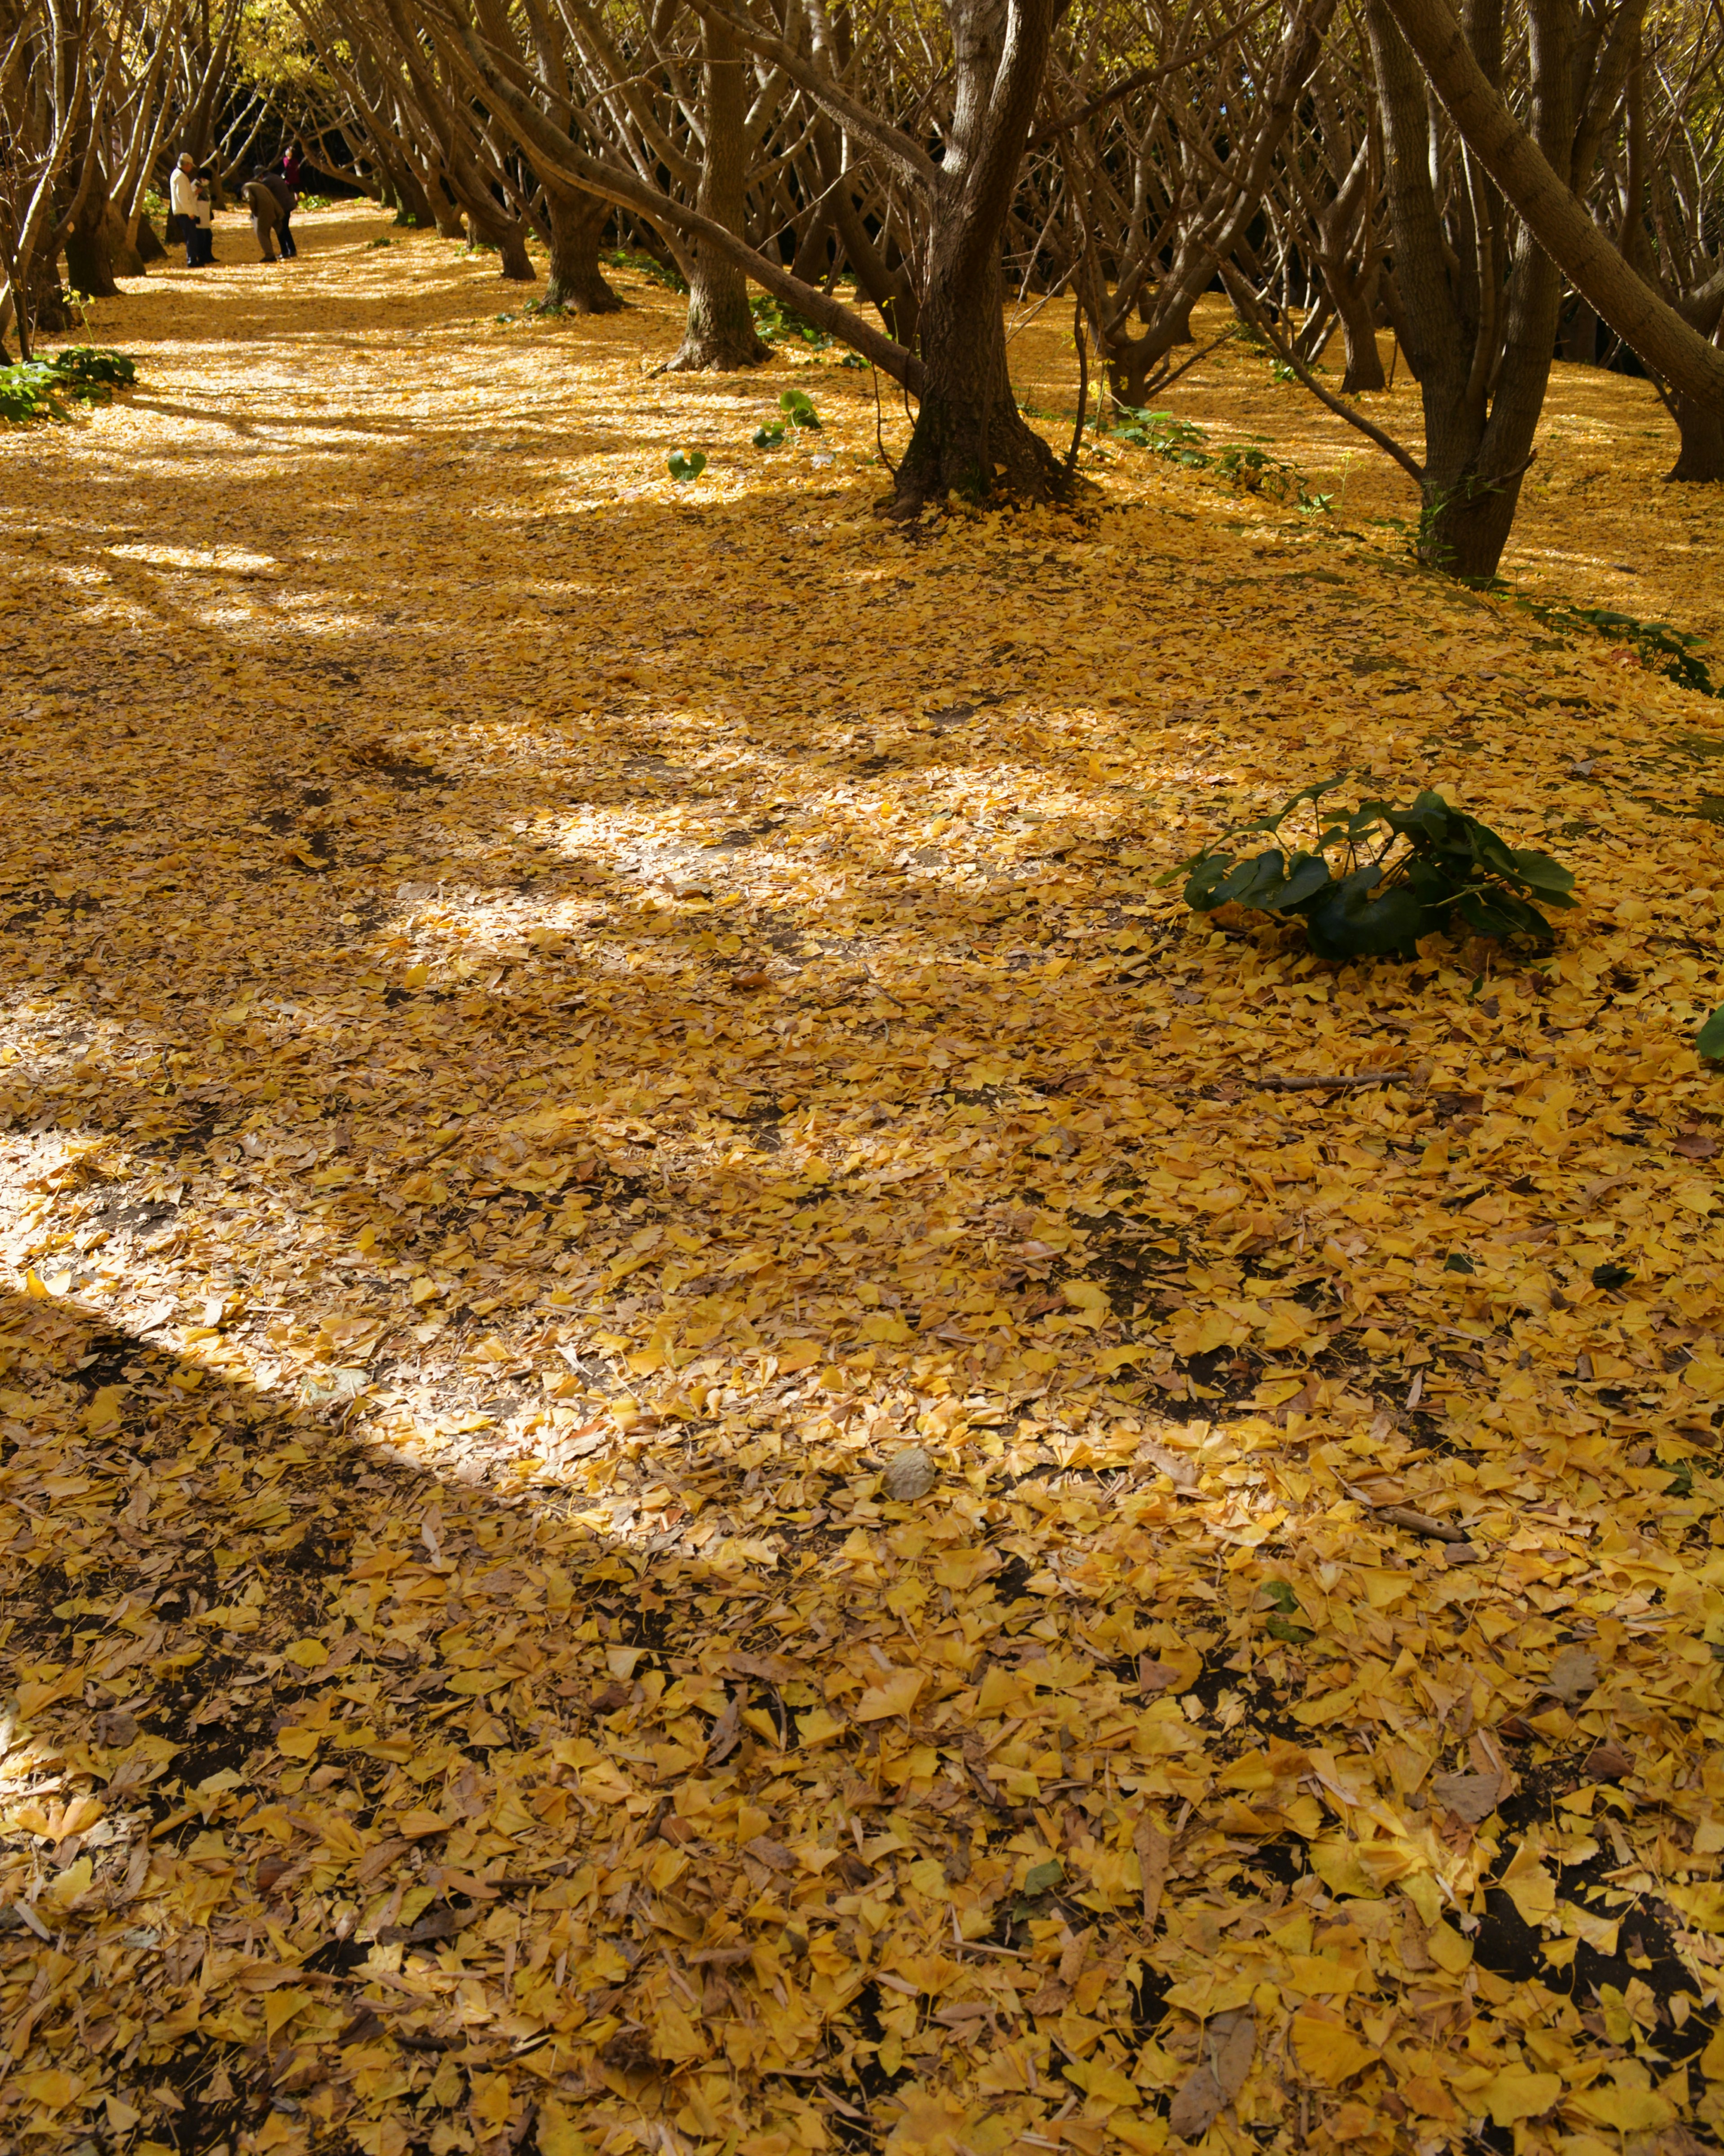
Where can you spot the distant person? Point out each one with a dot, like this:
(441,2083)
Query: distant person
(260,200)
(182,200)
(293,163)
(204,218)
(287,201)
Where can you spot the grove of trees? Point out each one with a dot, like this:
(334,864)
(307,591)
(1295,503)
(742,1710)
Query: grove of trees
(1495,188)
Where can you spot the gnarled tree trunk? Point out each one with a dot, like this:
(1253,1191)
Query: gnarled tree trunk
(1701,429)
(1484,339)
(720,334)
(575,284)
(970,438)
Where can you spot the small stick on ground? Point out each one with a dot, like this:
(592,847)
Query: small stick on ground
(1273,1083)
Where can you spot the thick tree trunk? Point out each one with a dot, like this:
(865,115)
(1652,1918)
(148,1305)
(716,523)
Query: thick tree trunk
(1700,428)
(495,229)
(720,333)
(90,249)
(575,284)
(1647,324)
(1483,348)
(970,438)
(148,242)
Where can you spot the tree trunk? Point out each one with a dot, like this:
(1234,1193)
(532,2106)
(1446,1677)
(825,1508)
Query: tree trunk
(720,333)
(1580,338)
(148,242)
(1700,428)
(89,250)
(1483,347)
(1647,324)
(575,284)
(492,225)
(970,438)
(444,210)
(1358,331)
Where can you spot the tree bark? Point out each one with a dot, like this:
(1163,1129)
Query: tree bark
(1700,429)
(720,335)
(1483,339)
(1358,331)
(97,249)
(575,284)
(970,438)
(1558,218)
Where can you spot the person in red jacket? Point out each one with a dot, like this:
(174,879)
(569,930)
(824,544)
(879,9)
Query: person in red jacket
(293,163)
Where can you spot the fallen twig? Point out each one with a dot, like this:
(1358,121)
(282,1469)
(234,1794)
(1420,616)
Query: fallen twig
(1417,1523)
(1272,1084)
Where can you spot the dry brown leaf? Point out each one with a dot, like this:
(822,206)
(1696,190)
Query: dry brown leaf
(1469,1797)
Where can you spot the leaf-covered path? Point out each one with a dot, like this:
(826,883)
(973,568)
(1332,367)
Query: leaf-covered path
(558,1026)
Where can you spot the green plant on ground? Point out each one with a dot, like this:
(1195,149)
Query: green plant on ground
(1660,648)
(798,409)
(1245,466)
(328,202)
(774,319)
(45,389)
(1710,1040)
(383,241)
(648,265)
(1402,873)
(686,465)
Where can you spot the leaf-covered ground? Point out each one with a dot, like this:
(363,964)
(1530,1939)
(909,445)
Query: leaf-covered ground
(557,1027)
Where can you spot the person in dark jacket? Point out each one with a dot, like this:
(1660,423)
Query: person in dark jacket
(265,211)
(285,195)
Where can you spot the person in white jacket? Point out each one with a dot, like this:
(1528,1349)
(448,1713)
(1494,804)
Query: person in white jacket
(182,200)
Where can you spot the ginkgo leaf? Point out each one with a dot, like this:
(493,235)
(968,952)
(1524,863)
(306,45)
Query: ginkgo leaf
(1326,2052)
(897,1695)
(1515,2094)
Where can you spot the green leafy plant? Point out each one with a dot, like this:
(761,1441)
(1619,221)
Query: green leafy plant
(799,413)
(1245,466)
(649,265)
(1710,1040)
(774,319)
(1402,873)
(44,388)
(686,464)
(1661,648)
(383,240)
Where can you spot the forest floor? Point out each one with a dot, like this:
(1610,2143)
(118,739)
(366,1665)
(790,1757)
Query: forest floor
(698,1453)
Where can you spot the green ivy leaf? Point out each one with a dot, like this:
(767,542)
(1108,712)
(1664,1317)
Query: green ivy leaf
(1042,1878)
(686,464)
(1711,1042)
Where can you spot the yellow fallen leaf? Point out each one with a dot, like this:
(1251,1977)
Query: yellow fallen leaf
(1327,2052)
(1515,2094)
(53,2089)
(896,1696)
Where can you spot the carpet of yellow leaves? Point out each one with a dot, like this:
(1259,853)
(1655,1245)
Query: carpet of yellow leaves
(695,1458)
